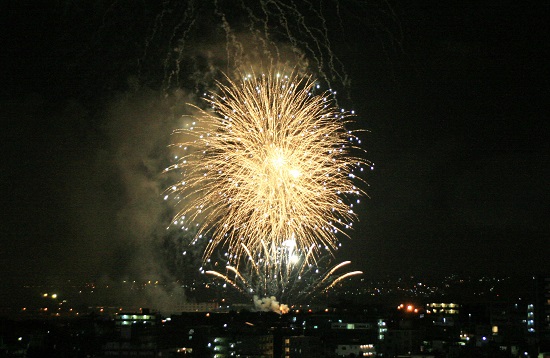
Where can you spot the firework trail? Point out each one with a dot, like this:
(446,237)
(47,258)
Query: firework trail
(174,45)
(253,32)
(270,162)
(184,42)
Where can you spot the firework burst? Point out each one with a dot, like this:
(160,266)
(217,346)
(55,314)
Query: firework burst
(269,162)
(284,273)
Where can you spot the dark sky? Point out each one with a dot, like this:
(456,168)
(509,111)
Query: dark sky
(455,99)
(461,144)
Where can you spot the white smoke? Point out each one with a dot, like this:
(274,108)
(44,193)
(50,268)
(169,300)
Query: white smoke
(268,304)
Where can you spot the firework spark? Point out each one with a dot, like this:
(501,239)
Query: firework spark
(270,162)
(284,273)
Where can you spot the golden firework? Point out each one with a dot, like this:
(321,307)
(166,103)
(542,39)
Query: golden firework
(270,161)
(284,273)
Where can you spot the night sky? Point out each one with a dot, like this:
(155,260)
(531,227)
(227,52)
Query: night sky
(454,98)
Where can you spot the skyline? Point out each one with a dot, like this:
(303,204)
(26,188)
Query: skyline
(454,102)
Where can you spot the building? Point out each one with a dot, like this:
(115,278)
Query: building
(540,320)
(401,342)
(303,347)
(241,345)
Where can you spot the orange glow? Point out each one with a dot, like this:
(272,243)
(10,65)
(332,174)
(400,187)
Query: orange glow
(408,308)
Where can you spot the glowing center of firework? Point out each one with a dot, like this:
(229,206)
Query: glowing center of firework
(282,166)
(295,173)
(290,244)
